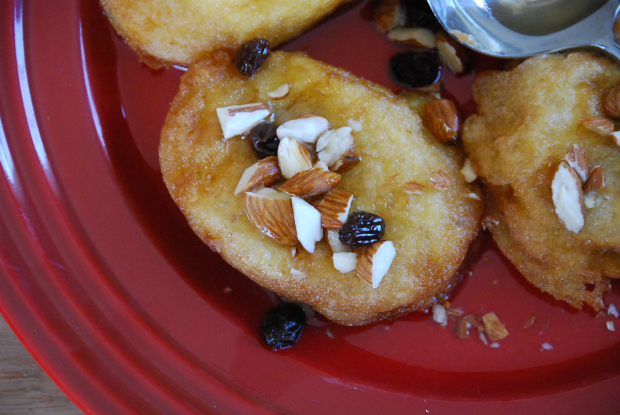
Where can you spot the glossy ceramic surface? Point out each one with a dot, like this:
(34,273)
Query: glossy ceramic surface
(130,313)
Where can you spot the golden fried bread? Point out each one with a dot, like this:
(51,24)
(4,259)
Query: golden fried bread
(431,230)
(167,32)
(528,119)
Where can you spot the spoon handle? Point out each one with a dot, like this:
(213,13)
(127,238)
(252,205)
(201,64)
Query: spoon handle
(610,45)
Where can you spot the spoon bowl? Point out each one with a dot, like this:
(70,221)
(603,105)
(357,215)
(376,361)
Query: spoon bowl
(483,26)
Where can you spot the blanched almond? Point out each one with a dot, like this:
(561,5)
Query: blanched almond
(238,119)
(332,144)
(314,181)
(468,172)
(334,208)
(494,328)
(577,159)
(334,242)
(413,36)
(568,197)
(346,162)
(305,129)
(293,157)
(271,212)
(595,181)
(345,261)
(600,125)
(443,120)
(375,262)
(264,172)
(307,224)
(280,92)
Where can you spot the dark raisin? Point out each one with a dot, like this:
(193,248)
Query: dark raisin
(415,69)
(264,140)
(251,55)
(419,14)
(283,325)
(361,228)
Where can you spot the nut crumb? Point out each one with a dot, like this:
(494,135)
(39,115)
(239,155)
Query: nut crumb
(483,338)
(492,325)
(610,326)
(413,188)
(441,181)
(613,311)
(439,315)
(462,328)
(530,322)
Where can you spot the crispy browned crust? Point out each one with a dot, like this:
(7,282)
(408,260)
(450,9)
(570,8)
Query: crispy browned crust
(527,121)
(431,231)
(169,32)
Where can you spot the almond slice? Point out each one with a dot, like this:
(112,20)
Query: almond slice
(441,181)
(345,261)
(600,125)
(443,120)
(494,328)
(577,159)
(568,197)
(333,240)
(271,212)
(307,224)
(413,188)
(595,181)
(413,36)
(375,262)
(346,162)
(334,208)
(293,157)
(314,181)
(332,144)
(468,172)
(280,92)
(452,53)
(264,172)
(238,119)
(306,129)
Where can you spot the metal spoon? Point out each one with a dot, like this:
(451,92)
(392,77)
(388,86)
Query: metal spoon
(521,28)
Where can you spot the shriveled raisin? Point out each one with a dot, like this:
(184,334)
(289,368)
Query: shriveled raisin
(415,69)
(361,229)
(420,14)
(283,325)
(251,56)
(264,140)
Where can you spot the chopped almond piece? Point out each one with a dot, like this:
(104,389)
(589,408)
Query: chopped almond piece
(494,328)
(530,322)
(271,212)
(418,37)
(334,208)
(346,162)
(293,157)
(462,328)
(488,222)
(568,197)
(314,181)
(238,119)
(600,125)
(388,14)
(595,181)
(280,92)
(452,53)
(443,120)
(611,104)
(576,158)
(264,172)
(375,262)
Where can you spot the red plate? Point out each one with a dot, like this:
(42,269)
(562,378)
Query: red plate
(130,313)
